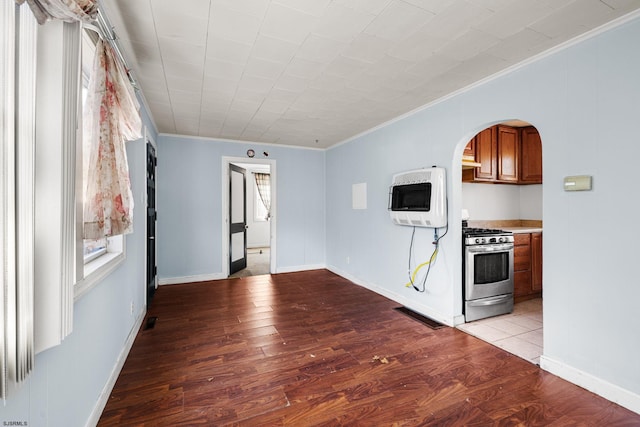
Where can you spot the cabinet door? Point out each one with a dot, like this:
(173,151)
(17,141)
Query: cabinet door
(469,149)
(536,261)
(522,284)
(522,252)
(485,147)
(531,156)
(468,174)
(521,258)
(508,150)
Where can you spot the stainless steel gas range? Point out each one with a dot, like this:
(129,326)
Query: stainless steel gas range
(487,272)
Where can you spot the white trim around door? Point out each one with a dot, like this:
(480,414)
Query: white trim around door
(224,203)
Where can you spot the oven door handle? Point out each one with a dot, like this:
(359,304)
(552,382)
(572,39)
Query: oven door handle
(492,248)
(493,301)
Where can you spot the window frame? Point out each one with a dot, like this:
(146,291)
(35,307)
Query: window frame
(91,270)
(87,53)
(96,270)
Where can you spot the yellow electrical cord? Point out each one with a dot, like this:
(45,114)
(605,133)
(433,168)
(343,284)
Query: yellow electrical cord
(415,272)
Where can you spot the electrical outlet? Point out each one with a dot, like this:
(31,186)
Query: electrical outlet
(348,260)
(132,308)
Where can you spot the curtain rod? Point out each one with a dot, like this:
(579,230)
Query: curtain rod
(103,27)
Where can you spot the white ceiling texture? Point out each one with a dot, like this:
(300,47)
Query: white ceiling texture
(314,73)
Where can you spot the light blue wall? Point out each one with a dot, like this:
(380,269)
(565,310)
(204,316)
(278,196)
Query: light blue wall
(584,100)
(363,244)
(190,211)
(68,379)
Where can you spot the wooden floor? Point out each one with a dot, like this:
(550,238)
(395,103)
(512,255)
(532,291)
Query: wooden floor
(312,348)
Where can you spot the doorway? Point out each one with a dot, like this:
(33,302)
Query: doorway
(508,157)
(249,206)
(152,216)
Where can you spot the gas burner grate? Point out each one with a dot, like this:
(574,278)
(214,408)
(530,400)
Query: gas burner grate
(470,231)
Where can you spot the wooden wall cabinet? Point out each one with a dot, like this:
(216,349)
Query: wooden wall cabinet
(484,148)
(485,151)
(470,150)
(527,266)
(530,156)
(506,155)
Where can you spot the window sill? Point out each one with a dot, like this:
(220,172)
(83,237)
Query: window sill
(95,255)
(95,271)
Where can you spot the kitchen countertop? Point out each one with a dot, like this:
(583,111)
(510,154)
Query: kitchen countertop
(517,230)
(513,225)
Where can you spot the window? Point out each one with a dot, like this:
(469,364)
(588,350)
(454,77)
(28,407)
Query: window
(260,210)
(262,190)
(92,248)
(96,258)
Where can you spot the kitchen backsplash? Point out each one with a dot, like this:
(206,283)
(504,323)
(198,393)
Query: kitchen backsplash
(502,202)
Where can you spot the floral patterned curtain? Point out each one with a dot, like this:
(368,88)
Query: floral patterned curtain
(263,181)
(64,10)
(111,118)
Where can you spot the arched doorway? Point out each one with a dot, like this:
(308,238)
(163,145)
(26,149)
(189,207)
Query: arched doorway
(501,200)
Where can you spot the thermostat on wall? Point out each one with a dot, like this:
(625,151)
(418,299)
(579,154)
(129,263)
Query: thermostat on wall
(577,183)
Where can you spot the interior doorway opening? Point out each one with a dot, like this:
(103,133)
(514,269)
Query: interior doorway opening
(249,206)
(501,190)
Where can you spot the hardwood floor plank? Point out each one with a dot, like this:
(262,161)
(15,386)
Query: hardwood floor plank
(534,414)
(313,349)
(459,414)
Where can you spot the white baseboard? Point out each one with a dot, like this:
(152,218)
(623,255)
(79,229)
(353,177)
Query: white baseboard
(458,320)
(111,382)
(301,268)
(189,279)
(594,384)
(400,299)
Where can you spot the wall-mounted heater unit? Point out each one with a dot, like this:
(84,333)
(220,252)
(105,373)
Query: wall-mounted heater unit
(419,198)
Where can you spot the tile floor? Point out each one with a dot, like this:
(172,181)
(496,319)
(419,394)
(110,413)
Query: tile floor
(258,262)
(519,333)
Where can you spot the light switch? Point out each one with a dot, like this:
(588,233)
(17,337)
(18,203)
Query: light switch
(359,196)
(577,183)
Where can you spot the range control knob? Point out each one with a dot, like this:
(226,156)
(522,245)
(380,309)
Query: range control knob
(477,240)
(501,240)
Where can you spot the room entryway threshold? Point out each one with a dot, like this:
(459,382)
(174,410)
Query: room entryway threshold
(258,263)
(519,332)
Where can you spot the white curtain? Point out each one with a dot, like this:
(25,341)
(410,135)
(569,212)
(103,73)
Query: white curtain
(111,118)
(263,181)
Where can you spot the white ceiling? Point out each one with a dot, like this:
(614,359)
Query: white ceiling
(314,73)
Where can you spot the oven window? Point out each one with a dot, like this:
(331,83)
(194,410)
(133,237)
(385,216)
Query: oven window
(490,268)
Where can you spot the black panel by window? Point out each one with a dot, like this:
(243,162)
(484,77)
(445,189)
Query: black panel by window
(411,197)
